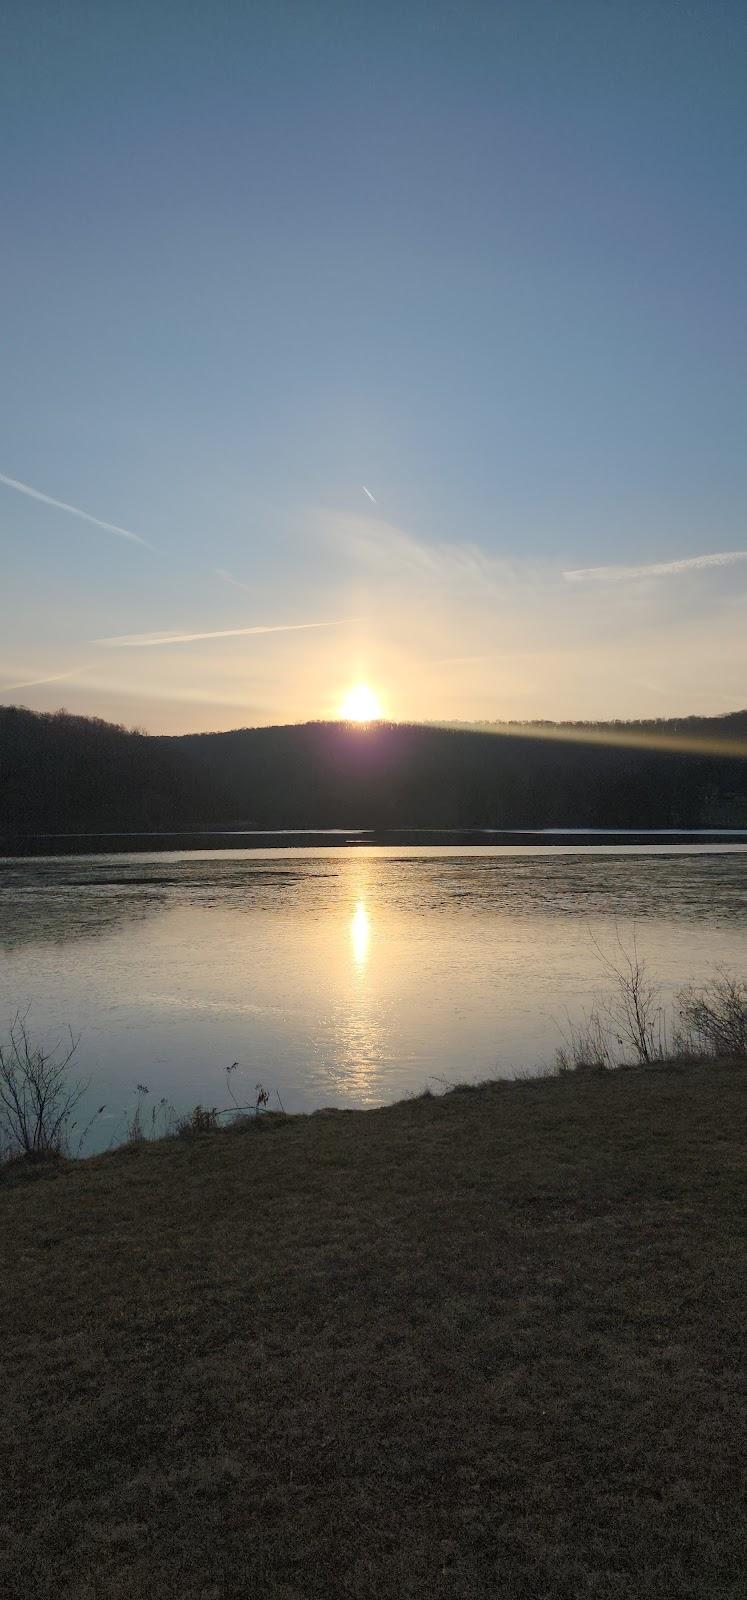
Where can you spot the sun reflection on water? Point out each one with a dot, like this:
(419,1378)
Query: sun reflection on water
(360,935)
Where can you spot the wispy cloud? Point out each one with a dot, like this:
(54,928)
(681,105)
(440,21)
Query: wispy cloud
(655,569)
(227,577)
(392,551)
(74,511)
(147,640)
(33,683)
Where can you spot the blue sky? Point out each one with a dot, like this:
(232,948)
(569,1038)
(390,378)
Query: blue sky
(486,260)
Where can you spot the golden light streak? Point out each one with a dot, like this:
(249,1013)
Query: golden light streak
(683,743)
(360,935)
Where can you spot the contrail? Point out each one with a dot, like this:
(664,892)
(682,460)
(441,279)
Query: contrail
(145,640)
(75,511)
(371,497)
(657,569)
(32,683)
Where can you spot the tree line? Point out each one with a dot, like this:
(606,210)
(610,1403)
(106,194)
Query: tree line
(68,774)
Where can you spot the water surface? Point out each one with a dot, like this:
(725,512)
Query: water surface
(338,976)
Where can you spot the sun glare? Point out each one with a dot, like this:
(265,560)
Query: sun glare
(361,705)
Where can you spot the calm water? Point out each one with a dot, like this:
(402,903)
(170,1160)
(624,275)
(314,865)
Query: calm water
(340,976)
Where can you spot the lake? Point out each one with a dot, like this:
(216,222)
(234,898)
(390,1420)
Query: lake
(343,976)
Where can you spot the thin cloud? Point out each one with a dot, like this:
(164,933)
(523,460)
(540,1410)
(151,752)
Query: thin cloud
(656,569)
(33,683)
(389,549)
(227,577)
(75,511)
(371,497)
(147,640)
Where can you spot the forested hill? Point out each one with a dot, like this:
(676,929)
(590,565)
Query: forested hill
(61,773)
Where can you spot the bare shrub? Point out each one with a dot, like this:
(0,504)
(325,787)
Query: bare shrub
(713,1017)
(706,1020)
(631,1018)
(37,1099)
(635,1013)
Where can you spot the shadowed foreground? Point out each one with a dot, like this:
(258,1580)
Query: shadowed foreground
(478,1345)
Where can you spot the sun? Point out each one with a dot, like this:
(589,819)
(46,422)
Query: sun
(361,705)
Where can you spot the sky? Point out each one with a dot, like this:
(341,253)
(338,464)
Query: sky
(395,343)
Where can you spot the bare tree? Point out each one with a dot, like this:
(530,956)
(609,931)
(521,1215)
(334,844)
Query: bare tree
(36,1097)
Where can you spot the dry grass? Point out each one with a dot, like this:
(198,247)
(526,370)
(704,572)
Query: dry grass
(483,1345)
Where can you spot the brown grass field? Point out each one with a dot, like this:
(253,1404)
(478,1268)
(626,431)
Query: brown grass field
(478,1345)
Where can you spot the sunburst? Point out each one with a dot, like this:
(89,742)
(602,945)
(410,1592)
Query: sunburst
(361,704)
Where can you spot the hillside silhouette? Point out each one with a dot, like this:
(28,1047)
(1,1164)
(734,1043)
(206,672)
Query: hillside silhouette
(66,774)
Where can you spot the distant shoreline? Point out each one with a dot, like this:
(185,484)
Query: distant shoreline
(105,843)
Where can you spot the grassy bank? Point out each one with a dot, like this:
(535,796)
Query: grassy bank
(484,1344)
